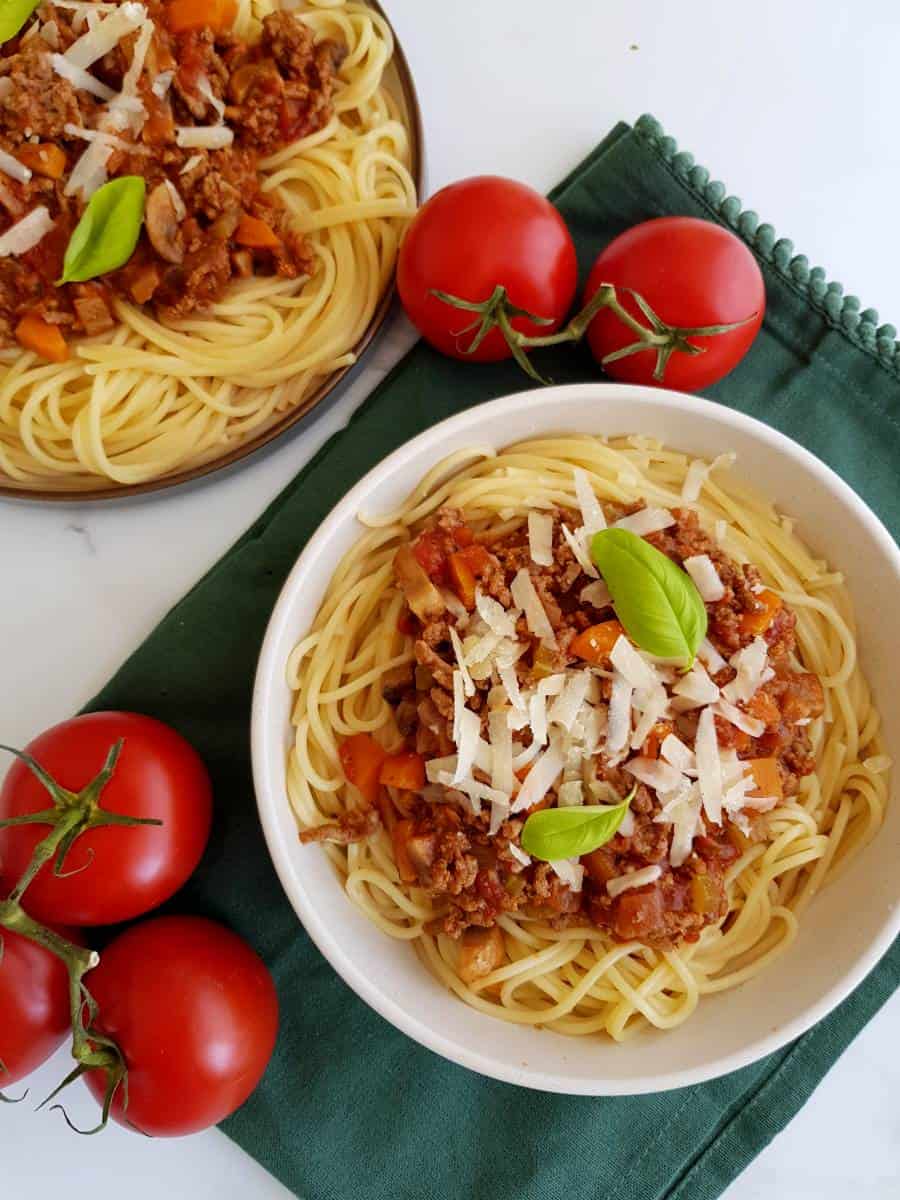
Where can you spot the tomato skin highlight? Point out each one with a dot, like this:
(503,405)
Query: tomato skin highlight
(470,237)
(692,273)
(195,1013)
(34,1002)
(116,873)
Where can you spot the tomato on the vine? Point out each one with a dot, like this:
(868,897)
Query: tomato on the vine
(469,240)
(195,1014)
(693,275)
(117,871)
(34,1003)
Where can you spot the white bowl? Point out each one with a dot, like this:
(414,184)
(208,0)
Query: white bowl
(842,934)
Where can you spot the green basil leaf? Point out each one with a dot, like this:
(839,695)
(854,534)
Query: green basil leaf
(13,15)
(657,602)
(570,832)
(105,237)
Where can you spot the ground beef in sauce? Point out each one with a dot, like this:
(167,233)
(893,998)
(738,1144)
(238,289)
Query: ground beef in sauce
(274,92)
(472,876)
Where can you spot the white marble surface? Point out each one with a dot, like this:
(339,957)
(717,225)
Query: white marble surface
(793,106)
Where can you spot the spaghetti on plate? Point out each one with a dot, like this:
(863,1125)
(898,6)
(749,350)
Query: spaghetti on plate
(200,208)
(475,687)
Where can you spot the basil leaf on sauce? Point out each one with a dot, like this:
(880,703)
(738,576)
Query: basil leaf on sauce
(13,15)
(570,832)
(657,602)
(105,237)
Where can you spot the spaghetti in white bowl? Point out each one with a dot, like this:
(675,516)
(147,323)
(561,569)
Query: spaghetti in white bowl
(790,943)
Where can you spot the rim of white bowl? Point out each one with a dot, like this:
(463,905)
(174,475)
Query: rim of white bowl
(270,674)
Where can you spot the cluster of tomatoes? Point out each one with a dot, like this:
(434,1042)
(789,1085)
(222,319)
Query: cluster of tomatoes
(183,1008)
(488,271)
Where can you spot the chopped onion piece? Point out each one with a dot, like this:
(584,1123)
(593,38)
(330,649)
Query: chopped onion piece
(13,168)
(572,874)
(618,725)
(525,596)
(593,518)
(633,879)
(661,776)
(203,137)
(541,778)
(709,767)
(626,659)
(79,78)
(578,546)
(740,719)
(540,538)
(702,570)
(25,234)
(646,520)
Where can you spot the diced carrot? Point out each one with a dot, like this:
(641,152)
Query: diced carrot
(766,776)
(43,158)
(144,283)
(406,771)
(44,339)
(655,738)
(764,708)
(466,567)
(754,624)
(595,643)
(184,15)
(361,757)
(706,897)
(400,835)
(256,234)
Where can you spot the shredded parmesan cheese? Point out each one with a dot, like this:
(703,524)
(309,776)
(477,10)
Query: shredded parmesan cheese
(633,879)
(26,234)
(596,594)
(702,570)
(540,538)
(13,168)
(647,520)
(108,33)
(540,779)
(571,873)
(468,685)
(79,78)
(525,596)
(593,518)
(578,546)
(709,768)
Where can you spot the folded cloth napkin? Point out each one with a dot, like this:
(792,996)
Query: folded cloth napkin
(350,1108)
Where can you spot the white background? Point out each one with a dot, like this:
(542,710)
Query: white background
(793,106)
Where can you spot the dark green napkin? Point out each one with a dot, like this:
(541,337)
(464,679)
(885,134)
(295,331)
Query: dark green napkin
(350,1108)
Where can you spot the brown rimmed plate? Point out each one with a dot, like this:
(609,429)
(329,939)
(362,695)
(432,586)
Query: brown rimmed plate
(400,80)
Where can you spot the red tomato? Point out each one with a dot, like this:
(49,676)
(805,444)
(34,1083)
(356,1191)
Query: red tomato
(34,1001)
(195,1014)
(116,873)
(692,273)
(470,237)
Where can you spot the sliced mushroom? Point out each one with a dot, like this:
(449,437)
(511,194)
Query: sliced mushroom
(481,952)
(421,594)
(161,219)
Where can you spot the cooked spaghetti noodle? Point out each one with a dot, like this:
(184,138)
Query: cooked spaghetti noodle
(154,396)
(573,977)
